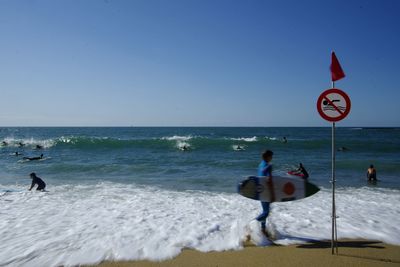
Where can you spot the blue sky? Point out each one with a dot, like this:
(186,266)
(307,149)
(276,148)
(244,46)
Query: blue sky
(195,62)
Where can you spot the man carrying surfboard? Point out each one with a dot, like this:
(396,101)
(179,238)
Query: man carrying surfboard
(265,169)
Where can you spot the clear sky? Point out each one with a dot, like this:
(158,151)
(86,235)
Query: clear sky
(196,62)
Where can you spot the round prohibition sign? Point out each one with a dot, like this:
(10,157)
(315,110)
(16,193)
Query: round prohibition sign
(333,105)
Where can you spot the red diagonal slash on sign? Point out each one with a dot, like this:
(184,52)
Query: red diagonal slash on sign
(333,105)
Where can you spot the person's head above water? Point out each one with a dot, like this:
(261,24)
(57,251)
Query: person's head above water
(32,175)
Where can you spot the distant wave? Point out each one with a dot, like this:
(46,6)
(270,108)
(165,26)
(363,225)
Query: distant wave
(177,138)
(28,142)
(246,139)
(177,141)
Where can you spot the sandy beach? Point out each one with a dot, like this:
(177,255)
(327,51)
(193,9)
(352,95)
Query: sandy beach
(350,253)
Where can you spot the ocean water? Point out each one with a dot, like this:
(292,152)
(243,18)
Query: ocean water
(148,193)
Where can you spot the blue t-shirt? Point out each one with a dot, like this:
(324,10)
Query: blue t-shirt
(264,169)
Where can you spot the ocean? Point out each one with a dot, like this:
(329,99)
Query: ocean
(123,193)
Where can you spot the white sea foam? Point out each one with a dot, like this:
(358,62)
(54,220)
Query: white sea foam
(178,138)
(246,139)
(182,142)
(238,147)
(85,224)
(66,139)
(29,142)
(182,145)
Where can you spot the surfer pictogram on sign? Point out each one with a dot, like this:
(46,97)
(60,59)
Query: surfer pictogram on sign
(333,105)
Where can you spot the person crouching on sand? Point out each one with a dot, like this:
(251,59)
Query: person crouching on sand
(37,180)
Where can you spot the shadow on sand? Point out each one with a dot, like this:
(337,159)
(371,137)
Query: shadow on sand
(350,244)
(343,244)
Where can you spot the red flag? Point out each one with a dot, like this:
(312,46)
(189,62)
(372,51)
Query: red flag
(336,70)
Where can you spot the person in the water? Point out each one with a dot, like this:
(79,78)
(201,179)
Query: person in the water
(37,181)
(239,147)
(371,173)
(303,171)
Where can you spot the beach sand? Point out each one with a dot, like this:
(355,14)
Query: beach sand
(361,253)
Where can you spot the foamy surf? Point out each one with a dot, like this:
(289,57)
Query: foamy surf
(30,143)
(84,224)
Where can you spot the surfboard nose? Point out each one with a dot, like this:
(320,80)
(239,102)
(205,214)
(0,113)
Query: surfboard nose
(311,189)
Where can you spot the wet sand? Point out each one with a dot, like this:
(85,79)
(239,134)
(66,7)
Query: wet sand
(361,253)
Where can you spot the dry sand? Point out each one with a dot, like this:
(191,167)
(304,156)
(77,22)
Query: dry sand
(361,253)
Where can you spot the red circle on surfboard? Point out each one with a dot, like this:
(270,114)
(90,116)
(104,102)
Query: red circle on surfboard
(333,105)
(289,188)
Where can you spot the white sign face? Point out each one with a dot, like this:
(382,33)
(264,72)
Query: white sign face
(333,105)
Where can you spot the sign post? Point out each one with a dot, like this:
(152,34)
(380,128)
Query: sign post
(333,105)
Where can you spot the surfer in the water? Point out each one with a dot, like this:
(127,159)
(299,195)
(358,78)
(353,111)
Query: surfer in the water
(36,180)
(303,171)
(239,147)
(265,169)
(39,147)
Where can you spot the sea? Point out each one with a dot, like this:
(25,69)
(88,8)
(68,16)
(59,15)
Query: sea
(133,193)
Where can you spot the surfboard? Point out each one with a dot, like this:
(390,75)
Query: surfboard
(295,173)
(277,189)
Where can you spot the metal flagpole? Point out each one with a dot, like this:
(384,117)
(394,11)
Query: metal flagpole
(334,235)
(334,228)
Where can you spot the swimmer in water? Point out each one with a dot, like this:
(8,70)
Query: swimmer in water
(239,147)
(371,173)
